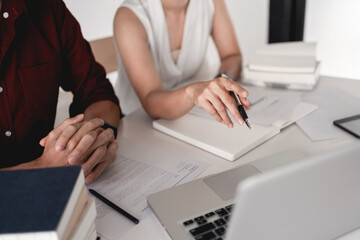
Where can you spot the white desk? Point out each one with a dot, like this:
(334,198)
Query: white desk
(138,126)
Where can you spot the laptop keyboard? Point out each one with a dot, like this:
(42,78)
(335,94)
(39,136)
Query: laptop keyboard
(211,225)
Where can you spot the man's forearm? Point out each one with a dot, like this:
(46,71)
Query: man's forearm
(28,165)
(106,110)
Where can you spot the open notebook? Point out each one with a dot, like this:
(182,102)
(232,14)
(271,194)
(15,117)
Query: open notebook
(207,134)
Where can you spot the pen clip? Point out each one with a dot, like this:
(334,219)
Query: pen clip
(236,97)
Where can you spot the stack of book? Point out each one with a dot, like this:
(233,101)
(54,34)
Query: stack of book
(290,65)
(51,204)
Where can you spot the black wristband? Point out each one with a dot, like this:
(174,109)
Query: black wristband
(225,74)
(108,125)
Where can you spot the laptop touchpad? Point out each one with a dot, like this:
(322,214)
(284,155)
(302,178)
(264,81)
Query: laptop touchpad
(224,184)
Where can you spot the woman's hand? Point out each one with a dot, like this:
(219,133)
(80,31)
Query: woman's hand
(214,97)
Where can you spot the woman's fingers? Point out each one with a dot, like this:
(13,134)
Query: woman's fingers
(231,105)
(206,104)
(214,96)
(241,92)
(223,100)
(221,110)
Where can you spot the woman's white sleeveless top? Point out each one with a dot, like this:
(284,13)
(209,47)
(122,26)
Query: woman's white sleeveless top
(196,35)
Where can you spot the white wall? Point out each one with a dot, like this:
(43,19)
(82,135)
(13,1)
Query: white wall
(335,25)
(249,19)
(95,16)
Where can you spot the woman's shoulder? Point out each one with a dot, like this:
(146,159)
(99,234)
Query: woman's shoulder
(125,16)
(138,7)
(132,13)
(125,12)
(127,23)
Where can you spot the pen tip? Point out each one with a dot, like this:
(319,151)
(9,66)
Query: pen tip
(248,123)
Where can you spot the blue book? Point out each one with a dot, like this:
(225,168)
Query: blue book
(38,203)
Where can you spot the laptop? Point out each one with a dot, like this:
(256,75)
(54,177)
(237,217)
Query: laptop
(284,196)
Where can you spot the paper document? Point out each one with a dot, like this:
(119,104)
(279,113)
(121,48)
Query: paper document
(267,109)
(139,170)
(333,104)
(280,111)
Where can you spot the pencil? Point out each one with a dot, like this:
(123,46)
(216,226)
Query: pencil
(114,206)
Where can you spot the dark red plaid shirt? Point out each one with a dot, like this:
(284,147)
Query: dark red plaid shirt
(41,48)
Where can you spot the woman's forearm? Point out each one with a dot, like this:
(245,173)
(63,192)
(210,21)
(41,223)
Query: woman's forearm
(232,64)
(168,104)
(174,104)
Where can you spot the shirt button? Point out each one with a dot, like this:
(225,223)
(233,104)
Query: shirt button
(1,89)
(8,133)
(5,14)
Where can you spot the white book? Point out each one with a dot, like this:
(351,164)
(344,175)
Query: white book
(86,221)
(49,204)
(216,138)
(287,57)
(92,234)
(288,49)
(297,81)
(283,64)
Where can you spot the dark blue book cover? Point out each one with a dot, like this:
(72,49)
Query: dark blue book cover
(34,200)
